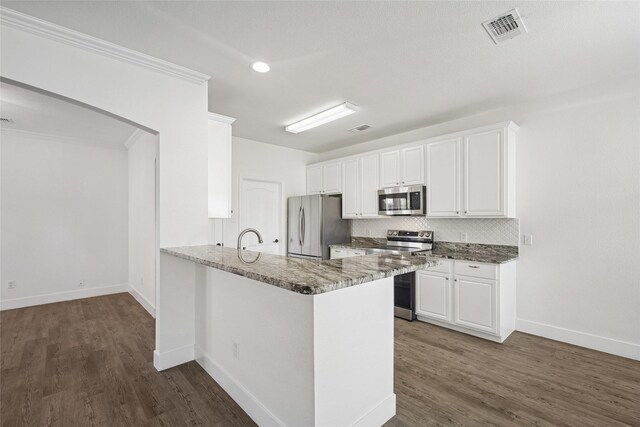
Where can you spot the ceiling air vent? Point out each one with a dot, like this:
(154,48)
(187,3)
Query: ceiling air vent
(359,128)
(6,120)
(505,26)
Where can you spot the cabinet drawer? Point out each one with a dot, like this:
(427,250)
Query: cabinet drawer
(337,253)
(357,252)
(445,267)
(476,269)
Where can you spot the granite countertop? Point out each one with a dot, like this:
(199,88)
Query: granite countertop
(300,275)
(475,252)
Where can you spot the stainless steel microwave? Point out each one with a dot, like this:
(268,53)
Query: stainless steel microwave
(407,200)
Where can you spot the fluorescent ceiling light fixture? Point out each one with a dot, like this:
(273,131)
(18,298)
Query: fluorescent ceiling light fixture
(326,116)
(261,67)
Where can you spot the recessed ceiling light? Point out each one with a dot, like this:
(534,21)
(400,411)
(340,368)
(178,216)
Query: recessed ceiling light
(261,67)
(321,118)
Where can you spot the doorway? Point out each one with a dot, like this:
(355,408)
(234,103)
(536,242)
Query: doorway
(261,208)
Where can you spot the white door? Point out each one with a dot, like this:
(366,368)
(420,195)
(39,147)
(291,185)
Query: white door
(350,189)
(260,207)
(484,174)
(443,178)
(369,186)
(475,304)
(314,179)
(433,296)
(413,165)
(390,169)
(331,178)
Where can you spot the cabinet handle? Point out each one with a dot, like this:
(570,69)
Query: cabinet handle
(474,266)
(457,212)
(466,211)
(276,241)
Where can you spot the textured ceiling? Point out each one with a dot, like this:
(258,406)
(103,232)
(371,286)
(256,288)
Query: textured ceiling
(37,112)
(405,64)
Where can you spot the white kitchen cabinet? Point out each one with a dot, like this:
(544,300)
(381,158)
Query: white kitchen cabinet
(473,174)
(390,169)
(360,187)
(433,295)
(402,167)
(324,178)
(470,297)
(443,178)
(314,179)
(219,166)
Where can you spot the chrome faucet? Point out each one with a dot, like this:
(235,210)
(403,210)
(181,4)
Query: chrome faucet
(245,231)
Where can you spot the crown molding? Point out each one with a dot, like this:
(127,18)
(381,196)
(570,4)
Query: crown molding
(135,136)
(21,21)
(61,138)
(220,118)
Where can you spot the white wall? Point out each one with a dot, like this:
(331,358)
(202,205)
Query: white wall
(174,107)
(253,159)
(64,219)
(142,155)
(578,194)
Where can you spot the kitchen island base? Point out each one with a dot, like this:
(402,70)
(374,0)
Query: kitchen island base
(287,358)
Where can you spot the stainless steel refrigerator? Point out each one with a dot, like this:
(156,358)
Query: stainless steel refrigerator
(314,223)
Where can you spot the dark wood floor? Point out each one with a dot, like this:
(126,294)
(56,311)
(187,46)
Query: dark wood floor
(89,362)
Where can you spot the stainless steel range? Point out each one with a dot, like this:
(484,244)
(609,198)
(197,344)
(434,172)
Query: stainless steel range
(405,242)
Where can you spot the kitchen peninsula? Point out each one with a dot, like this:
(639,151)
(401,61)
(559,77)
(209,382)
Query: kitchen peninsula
(294,342)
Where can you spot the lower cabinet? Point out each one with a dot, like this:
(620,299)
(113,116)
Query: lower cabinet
(475,298)
(338,253)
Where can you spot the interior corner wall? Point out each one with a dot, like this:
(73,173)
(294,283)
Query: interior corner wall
(64,220)
(173,107)
(142,156)
(253,159)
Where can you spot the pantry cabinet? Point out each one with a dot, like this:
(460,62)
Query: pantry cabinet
(475,298)
(402,167)
(219,165)
(443,178)
(360,187)
(324,178)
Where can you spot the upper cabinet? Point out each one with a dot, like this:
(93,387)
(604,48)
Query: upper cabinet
(219,168)
(325,178)
(360,187)
(468,174)
(472,175)
(402,167)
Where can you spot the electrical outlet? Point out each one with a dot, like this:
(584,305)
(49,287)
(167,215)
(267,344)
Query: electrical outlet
(81,284)
(236,350)
(527,239)
(368,233)
(463,236)
(11,284)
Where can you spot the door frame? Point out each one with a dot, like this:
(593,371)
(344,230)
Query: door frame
(241,226)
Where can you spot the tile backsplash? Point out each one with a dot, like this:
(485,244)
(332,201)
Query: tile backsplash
(490,231)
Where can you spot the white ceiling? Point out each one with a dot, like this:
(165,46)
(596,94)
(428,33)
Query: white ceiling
(405,64)
(33,111)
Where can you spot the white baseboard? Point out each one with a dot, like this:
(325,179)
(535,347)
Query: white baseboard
(143,302)
(171,358)
(379,415)
(10,304)
(247,401)
(582,339)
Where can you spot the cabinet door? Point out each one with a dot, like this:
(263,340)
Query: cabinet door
(412,166)
(314,179)
(369,186)
(219,169)
(390,169)
(332,178)
(443,178)
(350,188)
(433,296)
(484,177)
(475,304)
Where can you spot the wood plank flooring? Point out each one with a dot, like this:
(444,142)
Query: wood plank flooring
(89,363)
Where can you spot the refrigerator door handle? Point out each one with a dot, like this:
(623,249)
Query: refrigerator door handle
(304,225)
(300,226)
